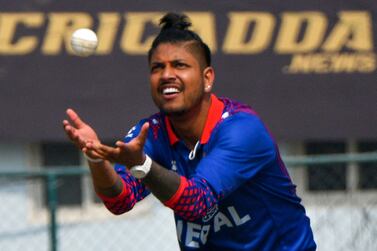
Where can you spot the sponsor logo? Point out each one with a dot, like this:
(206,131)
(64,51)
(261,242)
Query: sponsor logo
(314,41)
(211,212)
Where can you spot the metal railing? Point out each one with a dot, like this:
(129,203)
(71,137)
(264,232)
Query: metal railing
(52,174)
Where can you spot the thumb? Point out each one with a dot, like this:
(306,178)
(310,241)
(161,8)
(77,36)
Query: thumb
(74,117)
(142,137)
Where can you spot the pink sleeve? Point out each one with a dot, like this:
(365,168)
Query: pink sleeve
(192,199)
(122,203)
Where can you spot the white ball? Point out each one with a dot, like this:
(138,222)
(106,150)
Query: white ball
(84,42)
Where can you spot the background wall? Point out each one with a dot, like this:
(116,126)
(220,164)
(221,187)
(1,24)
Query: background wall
(307,67)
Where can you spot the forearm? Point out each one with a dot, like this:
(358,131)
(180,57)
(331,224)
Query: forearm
(105,180)
(162,182)
(189,198)
(118,191)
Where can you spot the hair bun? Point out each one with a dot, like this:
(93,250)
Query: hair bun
(175,21)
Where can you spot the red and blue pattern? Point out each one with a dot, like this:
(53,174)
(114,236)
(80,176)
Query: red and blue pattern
(235,194)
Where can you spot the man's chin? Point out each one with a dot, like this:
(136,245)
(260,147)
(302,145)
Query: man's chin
(173,112)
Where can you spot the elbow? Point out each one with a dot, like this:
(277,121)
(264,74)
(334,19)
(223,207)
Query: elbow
(117,212)
(193,200)
(119,208)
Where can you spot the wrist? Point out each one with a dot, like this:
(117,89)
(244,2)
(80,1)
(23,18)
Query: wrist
(140,171)
(92,160)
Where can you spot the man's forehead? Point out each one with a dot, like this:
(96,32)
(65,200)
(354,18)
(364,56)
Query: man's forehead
(171,52)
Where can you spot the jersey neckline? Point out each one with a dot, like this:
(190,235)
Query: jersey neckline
(214,116)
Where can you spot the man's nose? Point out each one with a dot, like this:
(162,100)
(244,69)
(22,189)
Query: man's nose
(168,73)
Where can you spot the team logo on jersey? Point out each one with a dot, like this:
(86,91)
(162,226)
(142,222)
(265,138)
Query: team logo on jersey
(173,165)
(194,235)
(211,212)
(130,133)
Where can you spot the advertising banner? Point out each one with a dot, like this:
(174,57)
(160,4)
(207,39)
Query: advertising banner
(307,67)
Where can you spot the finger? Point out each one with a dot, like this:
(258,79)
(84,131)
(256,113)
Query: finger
(97,153)
(91,146)
(92,154)
(65,122)
(69,130)
(120,144)
(102,149)
(74,136)
(66,126)
(74,117)
(142,137)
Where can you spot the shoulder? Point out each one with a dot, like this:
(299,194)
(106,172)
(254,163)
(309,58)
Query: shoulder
(232,107)
(237,115)
(243,125)
(240,125)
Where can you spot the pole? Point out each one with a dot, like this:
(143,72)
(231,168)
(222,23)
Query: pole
(52,205)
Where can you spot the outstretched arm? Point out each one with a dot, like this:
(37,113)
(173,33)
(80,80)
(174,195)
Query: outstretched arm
(160,181)
(190,199)
(105,180)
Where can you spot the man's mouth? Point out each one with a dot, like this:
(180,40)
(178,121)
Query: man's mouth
(170,91)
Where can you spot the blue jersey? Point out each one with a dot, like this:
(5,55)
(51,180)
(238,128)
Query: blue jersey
(258,208)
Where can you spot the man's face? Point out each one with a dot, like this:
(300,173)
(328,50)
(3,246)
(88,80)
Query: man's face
(177,80)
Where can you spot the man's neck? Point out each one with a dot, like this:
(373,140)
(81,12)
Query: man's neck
(189,127)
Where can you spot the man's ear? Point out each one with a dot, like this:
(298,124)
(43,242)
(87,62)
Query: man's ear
(209,78)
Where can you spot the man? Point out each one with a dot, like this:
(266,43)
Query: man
(209,159)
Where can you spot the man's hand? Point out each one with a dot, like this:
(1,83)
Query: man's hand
(128,154)
(80,133)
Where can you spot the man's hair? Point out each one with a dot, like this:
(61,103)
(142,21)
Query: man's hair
(174,30)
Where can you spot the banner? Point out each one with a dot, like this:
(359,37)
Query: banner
(307,67)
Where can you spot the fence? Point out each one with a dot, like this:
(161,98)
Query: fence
(341,220)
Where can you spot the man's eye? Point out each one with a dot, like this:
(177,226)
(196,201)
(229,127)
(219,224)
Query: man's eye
(180,65)
(155,68)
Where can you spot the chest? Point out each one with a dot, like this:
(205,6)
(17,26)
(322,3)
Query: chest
(184,161)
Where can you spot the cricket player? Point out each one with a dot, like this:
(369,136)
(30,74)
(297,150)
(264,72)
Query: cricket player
(210,159)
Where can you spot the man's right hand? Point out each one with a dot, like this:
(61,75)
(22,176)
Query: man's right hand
(79,132)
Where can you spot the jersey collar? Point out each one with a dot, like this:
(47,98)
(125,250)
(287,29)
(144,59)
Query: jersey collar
(214,116)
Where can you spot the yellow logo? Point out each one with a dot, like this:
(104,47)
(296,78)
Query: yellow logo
(315,42)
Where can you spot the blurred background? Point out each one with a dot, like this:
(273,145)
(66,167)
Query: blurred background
(307,67)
